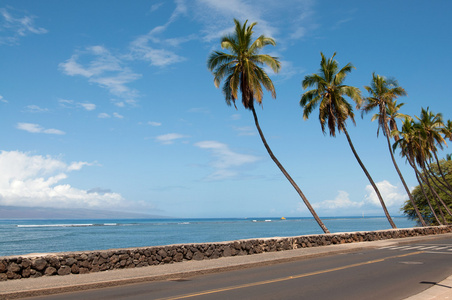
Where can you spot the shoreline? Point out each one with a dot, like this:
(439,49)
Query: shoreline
(37,265)
(51,236)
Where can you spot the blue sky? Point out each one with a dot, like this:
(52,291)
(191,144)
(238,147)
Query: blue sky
(109,105)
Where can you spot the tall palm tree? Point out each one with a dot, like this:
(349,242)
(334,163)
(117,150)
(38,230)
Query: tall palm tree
(383,93)
(328,94)
(242,68)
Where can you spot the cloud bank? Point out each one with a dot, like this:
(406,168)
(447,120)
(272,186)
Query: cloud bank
(392,195)
(35,181)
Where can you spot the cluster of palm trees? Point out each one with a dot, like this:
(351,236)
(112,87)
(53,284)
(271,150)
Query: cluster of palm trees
(419,140)
(242,69)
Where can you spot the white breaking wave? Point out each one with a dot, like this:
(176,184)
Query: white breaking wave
(66,225)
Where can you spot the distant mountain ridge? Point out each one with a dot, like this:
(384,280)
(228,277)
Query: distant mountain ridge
(16,212)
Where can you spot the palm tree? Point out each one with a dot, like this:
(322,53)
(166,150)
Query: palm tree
(242,68)
(383,93)
(334,109)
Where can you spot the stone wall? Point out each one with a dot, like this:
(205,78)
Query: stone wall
(86,262)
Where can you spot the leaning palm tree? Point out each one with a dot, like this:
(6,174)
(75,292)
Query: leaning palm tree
(383,93)
(242,69)
(328,94)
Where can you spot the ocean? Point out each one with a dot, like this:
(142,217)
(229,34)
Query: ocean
(20,237)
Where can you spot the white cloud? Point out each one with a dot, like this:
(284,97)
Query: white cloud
(298,33)
(201,110)
(53,131)
(34,181)
(66,102)
(36,128)
(287,70)
(116,115)
(72,104)
(156,6)
(103,116)
(15,27)
(341,201)
(119,103)
(151,48)
(36,109)
(99,66)
(170,138)
(245,131)
(236,117)
(155,124)
(216,17)
(225,161)
(3,99)
(392,195)
(141,50)
(76,166)
(340,22)
(88,106)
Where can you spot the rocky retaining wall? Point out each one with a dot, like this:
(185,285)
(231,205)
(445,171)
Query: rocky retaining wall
(86,262)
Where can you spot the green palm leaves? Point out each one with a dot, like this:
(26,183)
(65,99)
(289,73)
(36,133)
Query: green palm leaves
(383,93)
(329,94)
(242,68)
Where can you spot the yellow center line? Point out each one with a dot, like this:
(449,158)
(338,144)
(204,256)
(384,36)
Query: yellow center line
(241,286)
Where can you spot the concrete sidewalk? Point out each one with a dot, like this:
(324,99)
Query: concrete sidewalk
(14,289)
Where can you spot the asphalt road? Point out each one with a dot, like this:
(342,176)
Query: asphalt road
(395,272)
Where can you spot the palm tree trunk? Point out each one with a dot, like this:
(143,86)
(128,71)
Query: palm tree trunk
(305,200)
(421,185)
(402,179)
(436,195)
(437,181)
(441,171)
(370,179)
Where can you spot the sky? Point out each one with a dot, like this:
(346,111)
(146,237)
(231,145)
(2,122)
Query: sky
(109,105)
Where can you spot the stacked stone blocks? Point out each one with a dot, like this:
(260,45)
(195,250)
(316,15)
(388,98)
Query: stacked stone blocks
(97,261)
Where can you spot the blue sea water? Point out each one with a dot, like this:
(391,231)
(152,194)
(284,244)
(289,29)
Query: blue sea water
(19,237)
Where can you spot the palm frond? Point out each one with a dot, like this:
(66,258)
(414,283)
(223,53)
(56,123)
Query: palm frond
(242,67)
(268,60)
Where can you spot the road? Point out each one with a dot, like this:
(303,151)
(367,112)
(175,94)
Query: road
(394,272)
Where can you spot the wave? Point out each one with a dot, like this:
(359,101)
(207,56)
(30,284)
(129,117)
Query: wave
(65,225)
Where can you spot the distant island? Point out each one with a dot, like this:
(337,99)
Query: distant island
(17,212)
